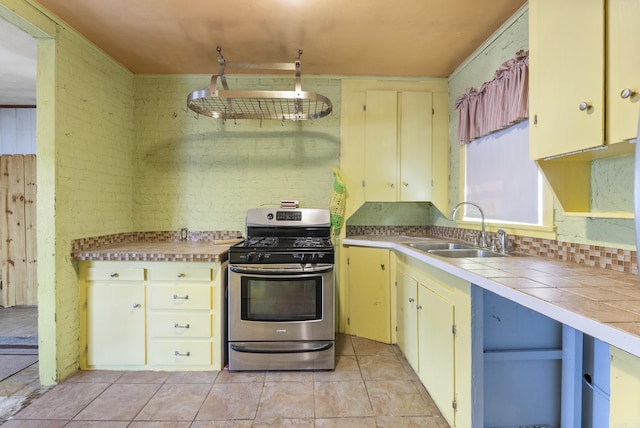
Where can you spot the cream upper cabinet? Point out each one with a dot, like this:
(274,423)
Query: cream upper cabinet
(399,146)
(584,75)
(395,142)
(416,145)
(623,69)
(380,157)
(566,86)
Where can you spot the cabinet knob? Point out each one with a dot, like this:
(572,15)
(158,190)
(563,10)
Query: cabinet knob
(137,305)
(411,300)
(418,307)
(382,266)
(178,354)
(405,184)
(392,185)
(627,93)
(114,274)
(180,275)
(584,106)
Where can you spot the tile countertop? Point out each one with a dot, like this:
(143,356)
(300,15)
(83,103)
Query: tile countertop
(181,251)
(602,303)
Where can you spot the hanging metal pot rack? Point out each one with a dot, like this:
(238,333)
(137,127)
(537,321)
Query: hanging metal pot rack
(223,103)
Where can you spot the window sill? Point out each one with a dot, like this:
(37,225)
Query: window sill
(534,231)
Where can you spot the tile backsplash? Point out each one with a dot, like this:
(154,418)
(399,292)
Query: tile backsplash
(619,260)
(155,236)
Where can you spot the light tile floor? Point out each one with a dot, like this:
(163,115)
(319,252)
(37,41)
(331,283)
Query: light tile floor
(372,386)
(17,390)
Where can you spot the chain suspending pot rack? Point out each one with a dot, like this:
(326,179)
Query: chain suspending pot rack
(223,103)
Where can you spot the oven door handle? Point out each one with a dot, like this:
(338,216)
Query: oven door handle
(280,269)
(284,348)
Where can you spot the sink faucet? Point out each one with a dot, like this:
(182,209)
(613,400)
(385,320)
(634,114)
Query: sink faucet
(483,236)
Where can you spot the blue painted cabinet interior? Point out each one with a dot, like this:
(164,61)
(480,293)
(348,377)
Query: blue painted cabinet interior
(530,370)
(522,353)
(595,383)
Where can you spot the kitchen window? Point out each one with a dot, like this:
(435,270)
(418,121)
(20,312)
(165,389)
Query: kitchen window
(500,178)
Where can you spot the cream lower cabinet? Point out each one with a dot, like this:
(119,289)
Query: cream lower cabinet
(407,317)
(153,315)
(369,313)
(625,389)
(116,330)
(180,318)
(433,330)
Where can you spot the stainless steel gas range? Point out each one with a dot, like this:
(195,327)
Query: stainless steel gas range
(281,292)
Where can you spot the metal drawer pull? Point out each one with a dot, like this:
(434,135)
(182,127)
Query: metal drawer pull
(178,354)
(176,297)
(114,274)
(137,305)
(176,325)
(181,275)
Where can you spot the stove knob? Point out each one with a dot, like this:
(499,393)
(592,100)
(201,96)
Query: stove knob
(314,258)
(259,257)
(304,258)
(249,257)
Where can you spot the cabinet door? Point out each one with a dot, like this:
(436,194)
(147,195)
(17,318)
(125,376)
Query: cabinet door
(416,145)
(381,158)
(436,318)
(623,72)
(407,318)
(369,293)
(625,389)
(440,153)
(566,46)
(116,324)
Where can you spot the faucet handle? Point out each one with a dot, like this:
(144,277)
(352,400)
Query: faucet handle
(502,237)
(476,238)
(495,244)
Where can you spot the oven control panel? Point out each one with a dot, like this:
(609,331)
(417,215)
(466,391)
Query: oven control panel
(268,257)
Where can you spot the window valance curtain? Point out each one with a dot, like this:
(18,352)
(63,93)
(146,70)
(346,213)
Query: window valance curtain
(497,104)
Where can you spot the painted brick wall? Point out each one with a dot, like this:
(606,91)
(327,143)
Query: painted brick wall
(203,173)
(94,174)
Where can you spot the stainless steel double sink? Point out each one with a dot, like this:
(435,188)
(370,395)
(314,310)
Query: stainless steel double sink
(454,249)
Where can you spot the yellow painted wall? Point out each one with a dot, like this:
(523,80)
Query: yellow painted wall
(204,174)
(118,152)
(85,169)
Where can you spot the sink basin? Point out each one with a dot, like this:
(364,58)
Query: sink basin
(428,246)
(466,252)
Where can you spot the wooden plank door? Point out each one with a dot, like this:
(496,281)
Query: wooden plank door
(18,260)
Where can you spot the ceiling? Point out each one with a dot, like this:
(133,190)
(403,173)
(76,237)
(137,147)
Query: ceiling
(407,38)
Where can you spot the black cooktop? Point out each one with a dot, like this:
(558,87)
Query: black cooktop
(283,243)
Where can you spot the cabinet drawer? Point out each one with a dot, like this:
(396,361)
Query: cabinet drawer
(115,273)
(179,273)
(180,353)
(179,297)
(179,324)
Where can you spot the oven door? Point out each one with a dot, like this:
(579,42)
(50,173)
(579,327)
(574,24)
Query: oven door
(281,303)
